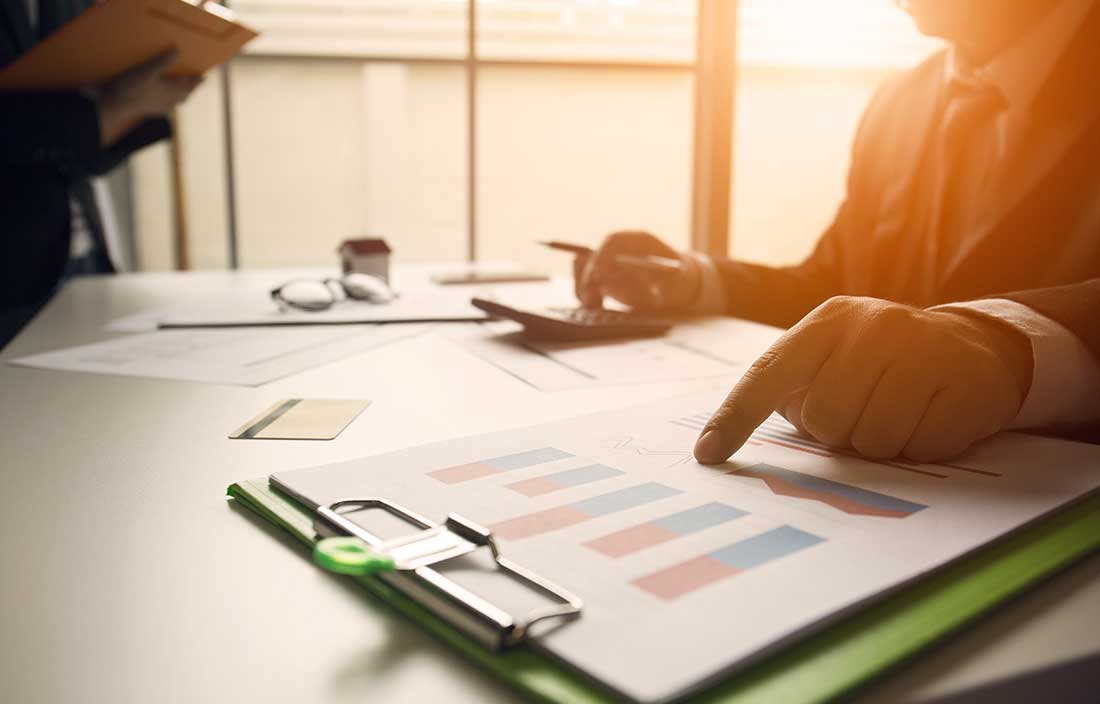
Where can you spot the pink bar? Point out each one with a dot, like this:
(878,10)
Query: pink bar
(631,540)
(536,486)
(463,472)
(539,522)
(675,581)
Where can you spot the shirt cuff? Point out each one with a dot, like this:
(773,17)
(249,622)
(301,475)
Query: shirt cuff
(711,299)
(1065,381)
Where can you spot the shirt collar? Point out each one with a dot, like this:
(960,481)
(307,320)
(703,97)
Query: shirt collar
(1019,71)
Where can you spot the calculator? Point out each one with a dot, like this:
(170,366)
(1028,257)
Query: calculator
(566,324)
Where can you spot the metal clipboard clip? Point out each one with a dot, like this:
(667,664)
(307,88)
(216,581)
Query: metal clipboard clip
(407,564)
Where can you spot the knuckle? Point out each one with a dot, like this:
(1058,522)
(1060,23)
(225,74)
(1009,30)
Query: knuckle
(833,307)
(874,443)
(890,316)
(822,419)
(842,302)
(762,365)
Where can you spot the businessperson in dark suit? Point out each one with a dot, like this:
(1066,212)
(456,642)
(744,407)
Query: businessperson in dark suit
(957,291)
(51,143)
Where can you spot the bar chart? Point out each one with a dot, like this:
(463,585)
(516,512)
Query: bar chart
(548,520)
(662,530)
(688,576)
(844,497)
(495,465)
(546,484)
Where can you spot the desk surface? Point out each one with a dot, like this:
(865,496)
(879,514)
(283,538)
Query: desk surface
(128,577)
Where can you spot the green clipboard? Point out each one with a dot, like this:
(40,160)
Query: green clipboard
(820,668)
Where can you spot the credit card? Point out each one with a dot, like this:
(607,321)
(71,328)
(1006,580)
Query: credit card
(302,419)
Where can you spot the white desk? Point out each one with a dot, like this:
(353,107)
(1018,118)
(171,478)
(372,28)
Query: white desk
(128,577)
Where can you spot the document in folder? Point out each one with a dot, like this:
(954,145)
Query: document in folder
(690,573)
(115,35)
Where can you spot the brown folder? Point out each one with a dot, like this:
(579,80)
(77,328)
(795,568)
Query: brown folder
(114,35)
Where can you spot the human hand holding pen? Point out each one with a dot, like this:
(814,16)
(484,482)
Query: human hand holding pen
(637,269)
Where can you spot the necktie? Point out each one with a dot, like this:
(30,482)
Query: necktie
(964,150)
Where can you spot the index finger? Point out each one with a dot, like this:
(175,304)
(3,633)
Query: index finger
(788,366)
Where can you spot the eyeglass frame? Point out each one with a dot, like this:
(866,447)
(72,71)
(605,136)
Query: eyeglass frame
(327,282)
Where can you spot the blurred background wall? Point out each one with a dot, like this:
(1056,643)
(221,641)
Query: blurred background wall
(347,120)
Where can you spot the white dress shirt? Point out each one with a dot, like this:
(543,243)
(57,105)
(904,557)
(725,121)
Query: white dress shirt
(1065,385)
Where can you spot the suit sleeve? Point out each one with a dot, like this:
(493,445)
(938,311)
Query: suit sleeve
(781,296)
(49,130)
(1074,306)
(60,131)
(144,134)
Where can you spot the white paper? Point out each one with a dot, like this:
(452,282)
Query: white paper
(633,636)
(240,356)
(712,347)
(145,321)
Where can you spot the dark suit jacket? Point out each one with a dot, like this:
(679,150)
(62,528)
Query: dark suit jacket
(49,146)
(1041,247)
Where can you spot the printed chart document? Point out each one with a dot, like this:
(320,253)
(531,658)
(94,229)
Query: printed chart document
(245,356)
(690,572)
(710,347)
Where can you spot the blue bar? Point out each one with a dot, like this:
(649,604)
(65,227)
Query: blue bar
(699,518)
(584,475)
(624,499)
(768,546)
(528,458)
(827,486)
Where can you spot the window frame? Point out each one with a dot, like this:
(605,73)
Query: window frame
(714,72)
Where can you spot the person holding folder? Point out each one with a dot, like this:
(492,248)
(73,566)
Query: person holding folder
(957,291)
(50,145)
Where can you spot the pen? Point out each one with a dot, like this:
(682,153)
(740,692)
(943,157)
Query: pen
(566,247)
(649,263)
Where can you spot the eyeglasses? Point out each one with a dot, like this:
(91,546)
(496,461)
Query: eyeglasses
(321,294)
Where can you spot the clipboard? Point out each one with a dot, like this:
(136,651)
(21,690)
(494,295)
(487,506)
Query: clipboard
(115,35)
(820,668)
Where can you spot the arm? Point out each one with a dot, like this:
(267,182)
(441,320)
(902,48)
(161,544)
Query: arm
(77,135)
(774,295)
(888,379)
(782,296)
(145,133)
(1062,326)
(1074,306)
(61,131)
(52,130)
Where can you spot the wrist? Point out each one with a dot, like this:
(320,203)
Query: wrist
(707,290)
(1011,345)
(111,115)
(691,281)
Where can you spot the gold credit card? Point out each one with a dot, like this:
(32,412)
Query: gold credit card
(302,419)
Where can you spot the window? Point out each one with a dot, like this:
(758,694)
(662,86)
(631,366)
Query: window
(806,70)
(351,117)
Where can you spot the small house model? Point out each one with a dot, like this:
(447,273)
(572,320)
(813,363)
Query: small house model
(366,256)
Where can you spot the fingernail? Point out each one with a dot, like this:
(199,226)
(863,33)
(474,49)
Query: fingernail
(710,448)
